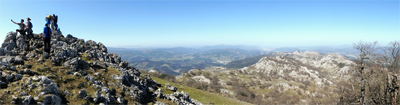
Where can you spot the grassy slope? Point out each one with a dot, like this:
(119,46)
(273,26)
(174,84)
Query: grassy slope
(200,95)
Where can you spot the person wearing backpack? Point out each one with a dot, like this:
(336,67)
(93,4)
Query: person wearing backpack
(21,29)
(28,28)
(46,38)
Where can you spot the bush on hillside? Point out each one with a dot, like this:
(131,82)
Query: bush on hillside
(215,85)
(198,85)
(167,77)
(207,75)
(244,62)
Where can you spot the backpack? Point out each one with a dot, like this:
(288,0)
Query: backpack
(30,24)
(48,31)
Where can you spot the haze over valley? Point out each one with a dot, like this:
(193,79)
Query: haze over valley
(178,60)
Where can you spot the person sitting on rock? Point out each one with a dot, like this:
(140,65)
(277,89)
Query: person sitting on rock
(46,38)
(21,29)
(28,28)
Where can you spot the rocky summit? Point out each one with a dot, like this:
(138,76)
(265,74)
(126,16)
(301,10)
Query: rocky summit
(74,72)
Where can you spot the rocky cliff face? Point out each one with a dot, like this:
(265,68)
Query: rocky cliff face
(75,72)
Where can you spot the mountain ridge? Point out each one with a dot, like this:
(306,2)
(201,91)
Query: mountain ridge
(281,78)
(74,72)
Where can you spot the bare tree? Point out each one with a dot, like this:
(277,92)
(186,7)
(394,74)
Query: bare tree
(366,49)
(392,56)
(390,60)
(381,77)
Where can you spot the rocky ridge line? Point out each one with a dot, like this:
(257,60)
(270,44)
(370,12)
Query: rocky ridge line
(77,59)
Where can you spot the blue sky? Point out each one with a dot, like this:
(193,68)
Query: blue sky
(168,23)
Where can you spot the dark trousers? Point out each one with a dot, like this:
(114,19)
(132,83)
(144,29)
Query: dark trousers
(29,35)
(55,25)
(22,32)
(47,44)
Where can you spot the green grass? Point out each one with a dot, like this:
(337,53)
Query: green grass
(200,95)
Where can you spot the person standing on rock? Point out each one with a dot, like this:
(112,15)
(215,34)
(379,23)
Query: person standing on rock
(46,38)
(28,28)
(48,19)
(55,19)
(21,29)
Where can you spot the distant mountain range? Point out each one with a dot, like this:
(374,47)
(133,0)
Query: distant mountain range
(177,60)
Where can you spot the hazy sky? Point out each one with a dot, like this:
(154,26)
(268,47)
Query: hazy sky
(208,22)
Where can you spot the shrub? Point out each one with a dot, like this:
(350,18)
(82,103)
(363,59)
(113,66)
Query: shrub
(306,82)
(198,73)
(215,86)
(299,92)
(288,78)
(244,94)
(258,100)
(258,82)
(228,82)
(274,93)
(207,75)
(302,87)
(265,86)
(341,65)
(198,85)
(168,77)
(234,82)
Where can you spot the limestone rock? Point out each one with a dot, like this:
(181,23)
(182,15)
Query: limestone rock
(82,93)
(26,100)
(9,45)
(102,47)
(52,99)
(3,52)
(45,55)
(18,60)
(8,59)
(50,89)
(160,103)
(10,36)
(170,87)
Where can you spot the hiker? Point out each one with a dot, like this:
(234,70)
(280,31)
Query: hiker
(46,38)
(21,29)
(48,19)
(55,19)
(28,28)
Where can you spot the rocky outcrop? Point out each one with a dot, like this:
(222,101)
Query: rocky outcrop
(181,98)
(308,62)
(170,87)
(80,60)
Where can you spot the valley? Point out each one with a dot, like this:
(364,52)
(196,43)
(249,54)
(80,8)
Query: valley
(176,61)
(296,77)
